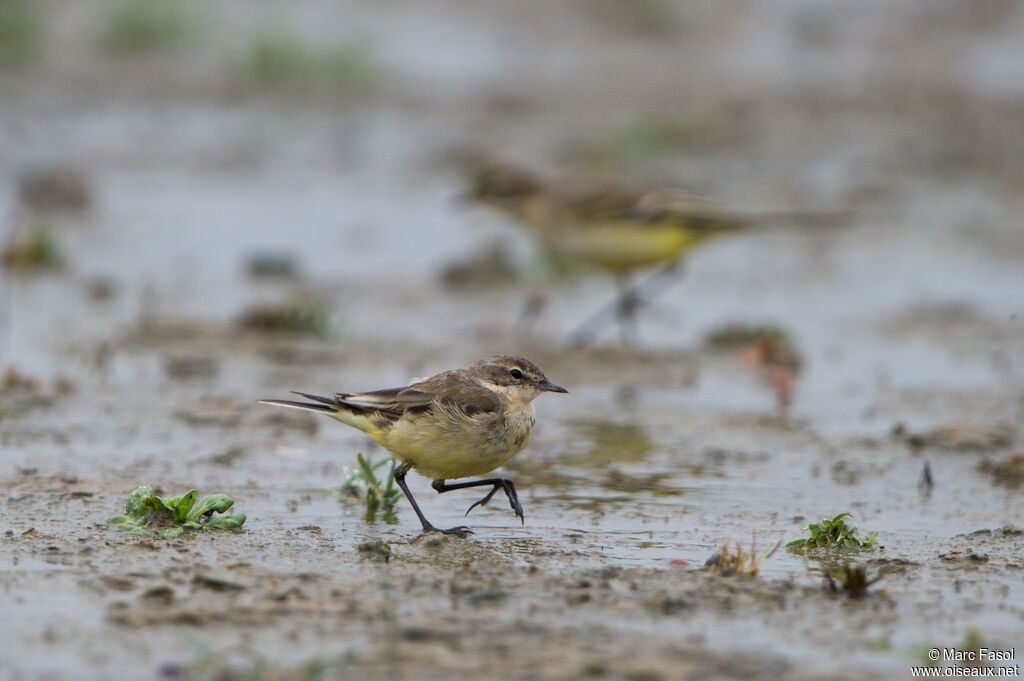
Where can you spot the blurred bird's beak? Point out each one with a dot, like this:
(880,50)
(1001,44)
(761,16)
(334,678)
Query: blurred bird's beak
(464,198)
(550,387)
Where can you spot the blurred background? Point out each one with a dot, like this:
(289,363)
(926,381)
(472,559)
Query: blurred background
(327,137)
(204,204)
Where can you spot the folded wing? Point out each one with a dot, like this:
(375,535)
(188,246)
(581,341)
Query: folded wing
(450,389)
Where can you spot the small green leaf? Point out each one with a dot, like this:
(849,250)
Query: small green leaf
(170,531)
(213,503)
(123,522)
(167,507)
(367,468)
(136,504)
(184,504)
(227,522)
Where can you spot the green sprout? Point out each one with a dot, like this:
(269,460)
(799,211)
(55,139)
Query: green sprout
(34,250)
(144,26)
(146,513)
(280,60)
(361,482)
(833,534)
(20,32)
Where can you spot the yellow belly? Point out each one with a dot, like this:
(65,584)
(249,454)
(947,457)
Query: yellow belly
(443,443)
(621,247)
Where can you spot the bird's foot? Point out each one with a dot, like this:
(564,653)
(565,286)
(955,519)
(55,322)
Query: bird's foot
(510,492)
(460,531)
(517,507)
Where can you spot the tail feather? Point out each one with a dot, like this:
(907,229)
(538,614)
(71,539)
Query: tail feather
(333,401)
(305,406)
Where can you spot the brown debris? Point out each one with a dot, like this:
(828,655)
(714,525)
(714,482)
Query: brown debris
(63,189)
(1008,471)
(963,437)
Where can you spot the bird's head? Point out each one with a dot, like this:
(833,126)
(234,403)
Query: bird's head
(502,185)
(514,376)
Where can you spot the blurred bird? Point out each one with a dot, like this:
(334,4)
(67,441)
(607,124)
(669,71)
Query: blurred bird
(457,424)
(615,228)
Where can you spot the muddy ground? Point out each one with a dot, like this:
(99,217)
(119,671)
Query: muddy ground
(215,163)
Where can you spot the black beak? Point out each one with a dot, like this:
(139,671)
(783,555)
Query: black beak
(550,387)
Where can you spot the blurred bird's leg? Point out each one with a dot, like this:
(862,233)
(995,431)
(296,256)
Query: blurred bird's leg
(659,281)
(629,300)
(400,472)
(629,304)
(621,308)
(503,484)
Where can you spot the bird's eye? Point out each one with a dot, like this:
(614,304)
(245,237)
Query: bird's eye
(515,373)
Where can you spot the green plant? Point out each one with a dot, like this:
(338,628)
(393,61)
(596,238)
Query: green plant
(146,513)
(35,249)
(835,533)
(143,26)
(361,482)
(20,30)
(283,61)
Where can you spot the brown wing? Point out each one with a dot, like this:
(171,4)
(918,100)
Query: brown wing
(392,402)
(467,395)
(588,201)
(591,204)
(455,389)
(450,388)
(695,212)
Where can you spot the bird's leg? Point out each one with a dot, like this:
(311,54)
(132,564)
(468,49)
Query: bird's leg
(400,472)
(626,304)
(503,484)
(629,303)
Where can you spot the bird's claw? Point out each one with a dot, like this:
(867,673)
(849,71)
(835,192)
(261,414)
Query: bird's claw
(519,512)
(481,502)
(460,531)
(513,500)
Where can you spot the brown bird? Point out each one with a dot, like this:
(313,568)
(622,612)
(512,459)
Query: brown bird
(457,424)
